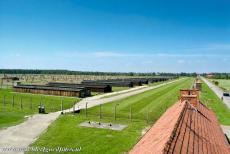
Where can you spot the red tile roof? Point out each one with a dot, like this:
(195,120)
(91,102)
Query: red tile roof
(184,128)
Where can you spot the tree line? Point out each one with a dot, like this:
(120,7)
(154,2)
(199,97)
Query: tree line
(68,72)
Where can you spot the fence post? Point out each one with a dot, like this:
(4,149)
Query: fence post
(100,112)
(41,101)
(86,109)
(51,105)
(73,107)
(4,103)
(31,106)
(130,113)
(147,117)
(1,83)
(4,100)
(61,105)
(13,101)
(21,103)
(115,112)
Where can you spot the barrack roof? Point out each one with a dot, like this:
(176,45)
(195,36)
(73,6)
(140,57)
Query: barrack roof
(184,128)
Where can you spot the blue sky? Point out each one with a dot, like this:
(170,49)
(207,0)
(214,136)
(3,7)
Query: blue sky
(116,35)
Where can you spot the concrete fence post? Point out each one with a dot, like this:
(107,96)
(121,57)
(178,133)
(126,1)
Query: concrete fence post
(13,101)
(31,103)
(21,106)
(100,112)
(115,112)
(74,107)
(4,103)
(4,100)
(130,115)
(1,83)
(86,109)
(41,101)
(61,105)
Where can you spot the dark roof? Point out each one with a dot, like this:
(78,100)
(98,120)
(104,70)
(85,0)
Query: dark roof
(47,88)
(76,85)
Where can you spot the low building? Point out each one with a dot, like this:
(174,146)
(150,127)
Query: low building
(92,88)
(118,83)
(47,90)
(210,76)
(187,127)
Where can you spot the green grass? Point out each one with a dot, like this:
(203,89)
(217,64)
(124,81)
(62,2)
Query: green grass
(149,101)
(221,110)
(91,140)
(12,111)
(65,132)
(224,84)
(150,85)
(11,118)
(115,89)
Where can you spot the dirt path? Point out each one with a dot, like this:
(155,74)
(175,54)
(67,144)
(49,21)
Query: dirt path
(218,91)
(20,136)
(24,134)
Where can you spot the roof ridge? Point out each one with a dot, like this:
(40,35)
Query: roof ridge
(168,144)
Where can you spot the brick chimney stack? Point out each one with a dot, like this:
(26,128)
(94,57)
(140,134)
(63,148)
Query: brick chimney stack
(192,96)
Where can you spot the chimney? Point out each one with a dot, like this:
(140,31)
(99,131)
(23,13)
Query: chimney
(192,96)
(198,85)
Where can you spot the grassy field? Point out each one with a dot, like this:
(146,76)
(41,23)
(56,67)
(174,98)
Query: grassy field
(213,102)
(150,84)
(15,106)
(146,108)
(224,84)
(115,89)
